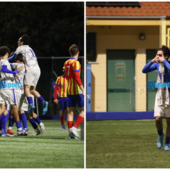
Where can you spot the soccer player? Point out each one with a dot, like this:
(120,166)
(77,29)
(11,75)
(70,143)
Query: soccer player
(8,95)
(61,87)
(22,101)
(75,90)
(32,72)
(162,100)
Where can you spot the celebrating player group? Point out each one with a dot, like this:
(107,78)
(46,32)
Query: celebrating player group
(70,93)
(19,75)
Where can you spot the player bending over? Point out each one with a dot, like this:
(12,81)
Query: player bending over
(75,90)
(162,100)
(32,72)
(61,87)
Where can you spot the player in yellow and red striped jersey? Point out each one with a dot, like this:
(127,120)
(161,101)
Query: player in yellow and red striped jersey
(75,90)
(61,87)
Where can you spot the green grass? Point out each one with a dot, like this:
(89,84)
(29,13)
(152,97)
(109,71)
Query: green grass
(52,149)
(124,144)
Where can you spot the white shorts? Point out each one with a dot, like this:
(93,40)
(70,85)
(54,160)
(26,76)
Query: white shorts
(23,105)
(8,96)
(32,76)
(161,110)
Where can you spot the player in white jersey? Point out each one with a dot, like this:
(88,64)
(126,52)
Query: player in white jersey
(20,96)
(32,72)
(8,90)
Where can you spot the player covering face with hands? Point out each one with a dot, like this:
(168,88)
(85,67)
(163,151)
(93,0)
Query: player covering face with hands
(162,100)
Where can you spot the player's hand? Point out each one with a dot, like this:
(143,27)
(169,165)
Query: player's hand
(83,93)
(16,75)
(56,101)
(20,68)
(161,59)
(155,59)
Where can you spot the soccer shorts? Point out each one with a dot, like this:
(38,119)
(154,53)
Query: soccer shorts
(32,76)
(8,96)
(63,101)
(76,99)
(161,110)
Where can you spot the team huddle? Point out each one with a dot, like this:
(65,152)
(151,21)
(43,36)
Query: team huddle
(70,93)
(19,75)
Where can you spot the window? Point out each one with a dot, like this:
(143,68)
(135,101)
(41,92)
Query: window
(91,46)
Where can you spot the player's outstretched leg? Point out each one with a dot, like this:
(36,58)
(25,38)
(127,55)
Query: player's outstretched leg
(41,99)
(14,111)
(37,120)
(159,126)
(62,118)
(166,146)
(34,125)
(10,125)
(73,131)
(24,122)
(3,122)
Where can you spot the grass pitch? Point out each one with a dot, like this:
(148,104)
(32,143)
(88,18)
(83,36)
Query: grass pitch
(52,149)
(124,144)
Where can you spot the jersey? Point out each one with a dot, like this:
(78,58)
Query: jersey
(9,77)
(29,56)
(72,66)
(62,83)
(21,74)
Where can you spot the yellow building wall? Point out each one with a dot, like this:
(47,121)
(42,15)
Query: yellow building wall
(120,37)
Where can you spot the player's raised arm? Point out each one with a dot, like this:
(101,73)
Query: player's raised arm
(10,59)
(149,67)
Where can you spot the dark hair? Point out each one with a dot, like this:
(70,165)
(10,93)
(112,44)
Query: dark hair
(165,50)
(4,50)
(25,39)
(19,57)
(73,49)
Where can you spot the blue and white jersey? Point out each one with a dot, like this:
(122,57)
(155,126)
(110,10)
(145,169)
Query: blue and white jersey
(21,74)
(29,56)
(9,77)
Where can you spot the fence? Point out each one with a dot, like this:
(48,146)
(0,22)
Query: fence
(51,68)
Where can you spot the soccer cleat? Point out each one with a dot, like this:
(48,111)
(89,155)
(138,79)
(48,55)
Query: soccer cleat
(71,137)
(20,132)
(36,132)
(73,132)
(5,134)
(160,141)
(25,132)
(63,127)
(30,108)
(44,107)
(166,147)
(10,132)
(42,127)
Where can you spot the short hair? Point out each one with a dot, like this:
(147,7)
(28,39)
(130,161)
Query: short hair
(25,39)
(19,57)
(165,50)
(73,49)
(4,50)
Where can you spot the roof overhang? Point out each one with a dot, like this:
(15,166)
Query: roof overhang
(127,17)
